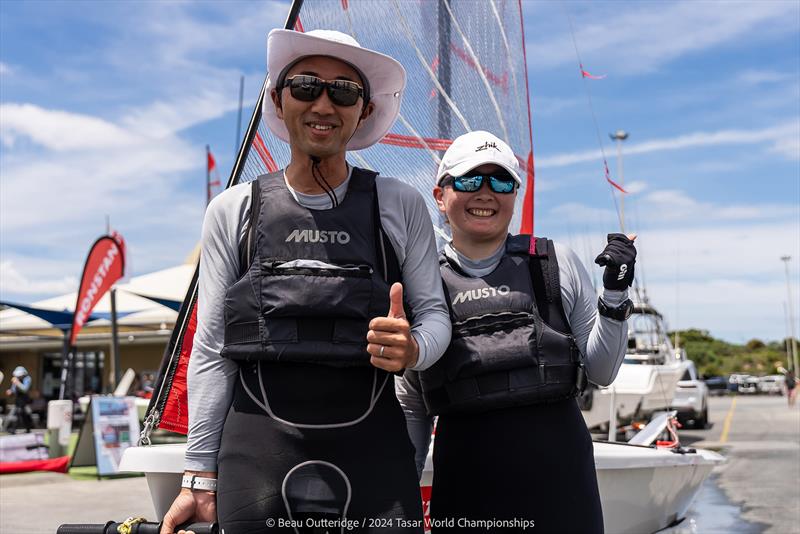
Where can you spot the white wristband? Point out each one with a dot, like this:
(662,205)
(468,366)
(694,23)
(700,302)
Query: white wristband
(194,482)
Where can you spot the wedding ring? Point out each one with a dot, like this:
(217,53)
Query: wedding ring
(381,352)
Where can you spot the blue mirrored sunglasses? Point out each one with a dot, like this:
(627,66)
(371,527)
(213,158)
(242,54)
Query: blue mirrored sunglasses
(471,182)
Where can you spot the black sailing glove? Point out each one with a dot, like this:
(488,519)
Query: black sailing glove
(618,257)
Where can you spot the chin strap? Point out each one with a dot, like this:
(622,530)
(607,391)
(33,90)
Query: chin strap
(321,181)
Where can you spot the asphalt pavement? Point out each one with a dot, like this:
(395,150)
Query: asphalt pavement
(760,437)
(756,491)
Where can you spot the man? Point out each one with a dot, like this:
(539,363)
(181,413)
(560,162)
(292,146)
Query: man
(299,274)
(20,389)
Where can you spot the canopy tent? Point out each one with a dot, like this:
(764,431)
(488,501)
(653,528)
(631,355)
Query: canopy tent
(143,300)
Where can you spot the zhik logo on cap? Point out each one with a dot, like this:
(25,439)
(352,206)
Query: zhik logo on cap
(487,145)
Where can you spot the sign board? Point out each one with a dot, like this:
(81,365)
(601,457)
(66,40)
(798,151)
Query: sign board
(59,417)
(111,426)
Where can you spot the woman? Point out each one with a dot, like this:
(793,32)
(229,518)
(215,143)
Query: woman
(512,451)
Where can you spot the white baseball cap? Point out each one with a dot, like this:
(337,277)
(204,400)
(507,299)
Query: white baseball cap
(19,371)
(384,76)
(474,149)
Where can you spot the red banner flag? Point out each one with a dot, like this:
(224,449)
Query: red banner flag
(104,266)
(212,174)
(212,164)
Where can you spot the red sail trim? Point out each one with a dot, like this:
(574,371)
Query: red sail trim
(345,5)
(501,81)
(175,416)
(527,223)
(526,226)
(212,164)
(298,26)
(409,141)
(612,182)
(266,157)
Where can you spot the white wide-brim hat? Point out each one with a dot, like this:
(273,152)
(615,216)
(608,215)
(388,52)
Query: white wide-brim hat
(385,75)
(474,149)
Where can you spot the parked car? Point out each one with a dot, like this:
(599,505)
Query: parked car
(772,384)
(717,385)
(734,380)
(691,398)
(749,385)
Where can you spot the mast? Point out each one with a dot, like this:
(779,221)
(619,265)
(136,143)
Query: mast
(443,73)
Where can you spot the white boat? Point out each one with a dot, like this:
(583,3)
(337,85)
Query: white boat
(648,375)
(642,489)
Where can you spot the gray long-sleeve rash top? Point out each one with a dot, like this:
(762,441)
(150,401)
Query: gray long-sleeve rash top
(210,379)
(601,340)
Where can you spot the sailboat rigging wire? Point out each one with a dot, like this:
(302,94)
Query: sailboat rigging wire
(504,37)
(436,159)
(427,67)
(364,164)
(640,269)
(594,116)
(479,69)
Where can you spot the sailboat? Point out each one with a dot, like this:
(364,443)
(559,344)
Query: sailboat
(466,70)
(648,376)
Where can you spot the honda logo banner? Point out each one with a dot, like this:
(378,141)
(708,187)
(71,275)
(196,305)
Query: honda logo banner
(104,266)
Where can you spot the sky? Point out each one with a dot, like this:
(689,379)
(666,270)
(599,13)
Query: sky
(106,109)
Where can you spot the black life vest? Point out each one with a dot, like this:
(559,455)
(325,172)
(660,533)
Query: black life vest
(511,342)
(314,280)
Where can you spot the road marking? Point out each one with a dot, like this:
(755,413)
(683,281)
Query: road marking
(727,425)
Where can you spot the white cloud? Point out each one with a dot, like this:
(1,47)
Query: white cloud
(12,280)
(673,206)
(164,118)
(58,130)
(783,139)
(759,76)
(640,39)
(5,69)
(635,187)
(726,278)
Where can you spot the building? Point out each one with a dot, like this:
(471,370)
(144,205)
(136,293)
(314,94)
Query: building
(146,316)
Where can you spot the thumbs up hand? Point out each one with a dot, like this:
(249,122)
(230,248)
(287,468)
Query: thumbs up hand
(389,339)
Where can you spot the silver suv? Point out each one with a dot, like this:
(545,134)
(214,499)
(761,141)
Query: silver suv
(691,398)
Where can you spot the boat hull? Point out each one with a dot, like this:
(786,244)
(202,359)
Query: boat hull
(642,489)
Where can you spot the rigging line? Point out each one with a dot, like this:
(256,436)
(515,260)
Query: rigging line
(424,63)
(639,249)
(441,233)
(507,47)
(479,69)
(591,110)
(364,164)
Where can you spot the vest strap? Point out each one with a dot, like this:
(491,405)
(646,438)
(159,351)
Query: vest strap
(515,379)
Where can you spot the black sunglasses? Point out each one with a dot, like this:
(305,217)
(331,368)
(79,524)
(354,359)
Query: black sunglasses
(499,182)
(308,88)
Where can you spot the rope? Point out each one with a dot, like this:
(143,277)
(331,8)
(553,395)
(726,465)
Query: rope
(594,117)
